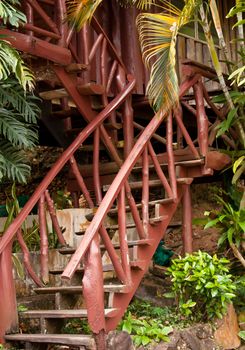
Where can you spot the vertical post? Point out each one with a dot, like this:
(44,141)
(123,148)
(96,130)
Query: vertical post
(170,154)
(43,240)
(179,111)
(127,116)
(145,191)
(96,170)
(61,21)
(29,17)
(123,235)
(187,219)
(8,305)
(93,292)
(202,120)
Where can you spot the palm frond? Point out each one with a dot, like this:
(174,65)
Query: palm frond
(81,11)
(12,63)
(13,163)
(14,97)
(15,131)
(158,35)
(10,13)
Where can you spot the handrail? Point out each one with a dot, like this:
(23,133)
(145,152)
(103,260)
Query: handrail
(59,164)
(118,183)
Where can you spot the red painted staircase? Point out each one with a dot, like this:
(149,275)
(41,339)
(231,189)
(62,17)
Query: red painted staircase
(148,180)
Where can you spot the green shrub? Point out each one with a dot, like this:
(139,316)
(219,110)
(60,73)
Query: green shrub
(202,285)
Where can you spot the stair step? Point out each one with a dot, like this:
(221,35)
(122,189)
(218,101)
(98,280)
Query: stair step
(106,268)
(69,250)
(76,67)
(138,184)
(184,180)
(78,313)
(116,288)
(110,228)
(53,94)
(114,211)
(158,219)
(62,339)
(90,89)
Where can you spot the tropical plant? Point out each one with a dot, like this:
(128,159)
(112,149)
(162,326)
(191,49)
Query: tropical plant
(145,331)
(202,285)
(18,109)
(231,224)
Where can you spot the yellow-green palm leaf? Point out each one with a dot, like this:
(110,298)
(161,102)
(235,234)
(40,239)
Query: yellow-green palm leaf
(158,34)
(81,11)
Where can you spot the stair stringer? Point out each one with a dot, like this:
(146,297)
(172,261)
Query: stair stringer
(145,254)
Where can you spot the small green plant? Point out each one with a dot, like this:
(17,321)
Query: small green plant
(145,331)
(77,326)
(231,224)
(202,285)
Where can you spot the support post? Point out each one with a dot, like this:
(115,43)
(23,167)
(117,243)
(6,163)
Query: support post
(187,219)
(8,305)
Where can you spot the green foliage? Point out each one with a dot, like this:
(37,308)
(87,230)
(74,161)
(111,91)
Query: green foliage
(230,222)
(202,285)
(76,326)
(9,13)
(18,132)
(242,335)
(144,331)
(148,323)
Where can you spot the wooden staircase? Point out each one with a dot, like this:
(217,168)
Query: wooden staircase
(162,155)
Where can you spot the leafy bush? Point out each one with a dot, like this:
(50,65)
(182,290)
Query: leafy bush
(144,331)
(202,285)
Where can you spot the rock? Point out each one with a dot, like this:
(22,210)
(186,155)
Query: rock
(191,340)
(171,345)
(119,340)
(226,335)
(203,331)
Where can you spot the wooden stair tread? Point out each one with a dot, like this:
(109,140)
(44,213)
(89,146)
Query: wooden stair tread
(76,67)
(77,289)
(90,89)
(114,211)
(139,242)
(78,313)
(58,271)
(64,339)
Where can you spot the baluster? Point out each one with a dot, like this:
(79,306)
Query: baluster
(103,77)
(43,240)
(61,21)
(123,235)
(26,259)
(186,135)
(170,154)
(202,120)
(134,211)
(52,213)
(179,132)
(8,304)
(43,15)
(29,17)
(187,219)
(111,76)
(80,181)
(95,47)
(159,171)
(96,171)
(145,191)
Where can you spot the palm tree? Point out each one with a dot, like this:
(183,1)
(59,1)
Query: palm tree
(158,33)
(18,109)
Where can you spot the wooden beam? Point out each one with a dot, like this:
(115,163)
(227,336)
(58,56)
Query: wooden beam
(37,47)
